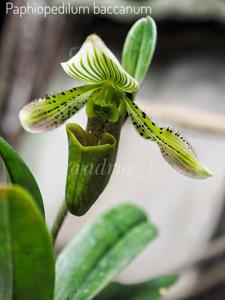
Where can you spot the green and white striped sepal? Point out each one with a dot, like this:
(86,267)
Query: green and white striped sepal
(95,63)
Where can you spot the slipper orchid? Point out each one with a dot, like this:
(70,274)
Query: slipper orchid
(106,93)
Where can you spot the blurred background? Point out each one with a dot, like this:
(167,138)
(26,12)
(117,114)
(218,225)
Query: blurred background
(185,88)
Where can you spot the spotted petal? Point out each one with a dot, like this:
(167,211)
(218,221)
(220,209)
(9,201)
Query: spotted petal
(176,150)
(95,63)
(52,111)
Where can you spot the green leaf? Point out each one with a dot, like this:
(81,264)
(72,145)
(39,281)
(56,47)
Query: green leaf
(101,251)
(89,168)
(6,268)
(19,173)
(176,150)
(149,290)
(95,63)
(51,111)
(26,252)
(139,48)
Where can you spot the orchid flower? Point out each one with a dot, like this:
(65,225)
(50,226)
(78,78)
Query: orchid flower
(106,93)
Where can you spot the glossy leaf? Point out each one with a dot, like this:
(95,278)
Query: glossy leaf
(89,168)
(101,251)
(139,48)
(19,173)
(176,150)
(52,111)
(26,252)
(95,63)
(149,290)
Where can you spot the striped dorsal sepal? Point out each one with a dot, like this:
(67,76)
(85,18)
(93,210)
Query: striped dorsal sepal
(95,63)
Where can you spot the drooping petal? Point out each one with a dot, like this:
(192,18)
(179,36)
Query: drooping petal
(95,63)
(176,150)
(52,111)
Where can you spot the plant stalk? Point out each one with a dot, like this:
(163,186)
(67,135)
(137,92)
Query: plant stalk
(61,215)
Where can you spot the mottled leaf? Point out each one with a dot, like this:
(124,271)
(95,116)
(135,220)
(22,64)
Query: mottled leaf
(101,251)
(19,173)
(26,252)
(95,63)
(176,150)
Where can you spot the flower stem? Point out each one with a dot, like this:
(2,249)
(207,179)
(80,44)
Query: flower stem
(61,215)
